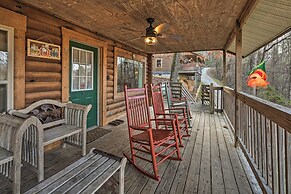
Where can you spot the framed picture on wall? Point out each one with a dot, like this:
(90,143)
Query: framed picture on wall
(41,49)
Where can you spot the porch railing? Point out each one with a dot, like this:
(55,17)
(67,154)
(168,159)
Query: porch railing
(264,135)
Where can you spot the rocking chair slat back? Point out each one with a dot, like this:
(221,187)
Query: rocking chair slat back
(158,102)
(137,107)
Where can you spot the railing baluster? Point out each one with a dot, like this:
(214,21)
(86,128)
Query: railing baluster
(286,161)
(278,159)
(272,157)
(266,151)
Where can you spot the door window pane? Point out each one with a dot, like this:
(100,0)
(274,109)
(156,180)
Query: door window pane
(82,83)
(89,58)
(82,71)
(76,83)
(83,57)
(89,83)
(75,56)
(75,69)
(89,70)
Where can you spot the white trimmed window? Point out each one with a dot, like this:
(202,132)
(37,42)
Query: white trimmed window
(159,63)
(130,72)
(6,68)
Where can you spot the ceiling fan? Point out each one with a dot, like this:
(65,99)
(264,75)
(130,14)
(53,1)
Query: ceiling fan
(154,33)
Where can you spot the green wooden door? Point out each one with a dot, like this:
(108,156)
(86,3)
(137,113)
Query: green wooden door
(83,78)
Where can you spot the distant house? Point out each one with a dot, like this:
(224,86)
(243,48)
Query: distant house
(188,64)
(162,65)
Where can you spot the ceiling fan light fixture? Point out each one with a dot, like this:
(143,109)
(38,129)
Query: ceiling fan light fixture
(150,40)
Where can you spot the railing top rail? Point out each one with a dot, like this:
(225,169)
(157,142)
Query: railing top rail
(275,112)
(229,90)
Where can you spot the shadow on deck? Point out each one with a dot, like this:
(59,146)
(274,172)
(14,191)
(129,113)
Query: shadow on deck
(211,163)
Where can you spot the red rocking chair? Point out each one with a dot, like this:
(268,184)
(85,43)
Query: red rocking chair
(161,113)
(174,102)
(160,144)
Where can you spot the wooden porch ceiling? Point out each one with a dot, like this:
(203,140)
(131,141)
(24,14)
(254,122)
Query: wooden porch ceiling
(205,24)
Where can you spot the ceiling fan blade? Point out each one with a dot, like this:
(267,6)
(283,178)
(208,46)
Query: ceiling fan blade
(162,28)
(130,29)
(133,39)
(173,36)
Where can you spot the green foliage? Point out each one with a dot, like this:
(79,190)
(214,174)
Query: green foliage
(272,95)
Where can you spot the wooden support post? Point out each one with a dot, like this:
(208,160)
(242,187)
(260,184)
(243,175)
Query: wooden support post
(150,68)
(224,67)
(150,73)
(211,98)
(238,78)
(19,69)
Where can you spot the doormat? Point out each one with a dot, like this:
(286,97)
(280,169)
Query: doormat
(116,122)
(94,134)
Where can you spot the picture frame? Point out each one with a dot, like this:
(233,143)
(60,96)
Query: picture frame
(41,49)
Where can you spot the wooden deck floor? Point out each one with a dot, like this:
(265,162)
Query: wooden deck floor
(210,163)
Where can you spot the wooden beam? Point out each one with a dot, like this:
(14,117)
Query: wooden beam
(242,20)
(238,77)
(12,19)
(224,67)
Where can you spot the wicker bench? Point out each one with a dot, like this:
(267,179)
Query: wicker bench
(86,175)
(12,142)
(60,121)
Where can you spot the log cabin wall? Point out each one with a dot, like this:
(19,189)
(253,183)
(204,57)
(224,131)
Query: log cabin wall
(114,107)
(43,77)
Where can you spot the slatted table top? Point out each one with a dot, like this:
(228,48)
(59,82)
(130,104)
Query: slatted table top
(86,175)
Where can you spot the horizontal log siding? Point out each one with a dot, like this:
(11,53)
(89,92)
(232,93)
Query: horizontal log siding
(114,107)
(42,76)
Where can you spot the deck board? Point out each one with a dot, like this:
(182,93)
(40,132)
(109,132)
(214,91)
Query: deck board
(211,163)
(216,167)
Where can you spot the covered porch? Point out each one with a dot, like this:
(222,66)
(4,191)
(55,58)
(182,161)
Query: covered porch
(214,155)
(211,164)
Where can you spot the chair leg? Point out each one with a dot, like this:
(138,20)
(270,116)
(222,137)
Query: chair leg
(132,152)
(179,133)
(177,148)
(187,131)
(153,154)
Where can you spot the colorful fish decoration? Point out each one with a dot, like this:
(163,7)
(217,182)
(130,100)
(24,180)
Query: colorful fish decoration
(257,77)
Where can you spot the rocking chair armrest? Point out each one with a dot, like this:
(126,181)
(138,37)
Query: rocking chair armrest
(167,114)
(141,128)
(164,119)
(167,121)
(179,99)
(183,109)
